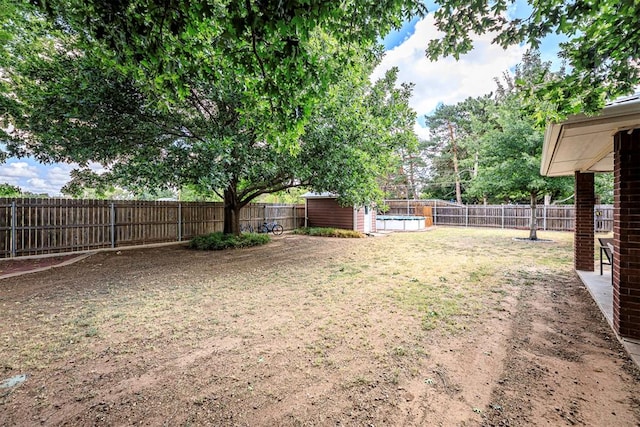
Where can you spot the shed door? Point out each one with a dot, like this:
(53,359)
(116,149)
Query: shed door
(367,220)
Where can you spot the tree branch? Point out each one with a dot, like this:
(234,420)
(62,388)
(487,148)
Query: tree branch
(247,198)
(201,105)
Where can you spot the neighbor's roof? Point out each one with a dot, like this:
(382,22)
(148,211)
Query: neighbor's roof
(585,143)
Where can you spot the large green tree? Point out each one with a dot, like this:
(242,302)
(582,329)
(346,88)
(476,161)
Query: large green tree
(510,142)
(265,43)
(509,166)
(74,108)
(453,145)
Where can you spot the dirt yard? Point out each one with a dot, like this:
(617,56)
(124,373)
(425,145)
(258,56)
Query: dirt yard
(446,327)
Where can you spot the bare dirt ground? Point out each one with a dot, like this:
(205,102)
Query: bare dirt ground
(447,327)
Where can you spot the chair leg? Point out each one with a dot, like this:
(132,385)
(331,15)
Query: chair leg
(601,261)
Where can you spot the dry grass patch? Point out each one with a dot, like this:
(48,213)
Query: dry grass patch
(299,331)
(444,278)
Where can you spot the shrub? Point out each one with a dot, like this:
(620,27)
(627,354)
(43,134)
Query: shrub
(328,232)
(219,241)
(246,240)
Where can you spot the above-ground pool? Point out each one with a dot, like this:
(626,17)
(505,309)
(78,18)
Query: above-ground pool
(400,223)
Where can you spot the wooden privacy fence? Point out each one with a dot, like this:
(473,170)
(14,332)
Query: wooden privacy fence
(45,226)
(549,217)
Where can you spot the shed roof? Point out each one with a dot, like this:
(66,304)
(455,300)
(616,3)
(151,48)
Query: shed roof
(325,195)
(585,143)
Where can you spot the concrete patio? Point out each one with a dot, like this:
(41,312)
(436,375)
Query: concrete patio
(601,290)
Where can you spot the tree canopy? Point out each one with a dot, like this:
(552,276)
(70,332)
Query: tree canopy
(269,49)
(453,145)
(266,44)
(493,144)
(8,190)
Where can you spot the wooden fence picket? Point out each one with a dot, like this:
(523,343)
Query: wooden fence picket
(45,226)
(549,217)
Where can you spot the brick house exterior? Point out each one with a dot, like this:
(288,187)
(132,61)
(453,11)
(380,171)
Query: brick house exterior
(609,142)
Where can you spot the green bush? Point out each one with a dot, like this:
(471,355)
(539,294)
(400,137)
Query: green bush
(327,232)
(219,241)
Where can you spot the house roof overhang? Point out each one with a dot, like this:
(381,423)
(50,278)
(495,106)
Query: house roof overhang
(585,143)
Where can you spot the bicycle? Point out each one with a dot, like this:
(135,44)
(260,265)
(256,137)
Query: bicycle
(273,227)
(248,228)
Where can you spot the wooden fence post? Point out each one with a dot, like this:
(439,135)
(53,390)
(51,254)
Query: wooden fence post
(14,235)
(544,219)
(502,216)
(179,222)
(113,225)
(466,216)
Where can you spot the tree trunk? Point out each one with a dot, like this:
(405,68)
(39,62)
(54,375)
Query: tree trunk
(411,178)
(476,162)
(533,225)
(231,212)
(454,150)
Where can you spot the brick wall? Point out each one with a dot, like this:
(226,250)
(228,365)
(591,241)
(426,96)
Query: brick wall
(626,234)
(583,246)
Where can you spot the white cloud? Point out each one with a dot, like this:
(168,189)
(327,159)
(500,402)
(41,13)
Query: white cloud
(59,175)
(17,170)
(447,81)
(421,132)
(39,185)
(34,177)
(97,168)
(39,178)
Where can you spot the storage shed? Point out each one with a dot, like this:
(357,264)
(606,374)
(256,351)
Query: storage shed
(323,210)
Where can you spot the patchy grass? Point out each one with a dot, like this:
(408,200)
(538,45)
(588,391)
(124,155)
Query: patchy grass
(328,232)
(323,316)
(219,241)
(444,279)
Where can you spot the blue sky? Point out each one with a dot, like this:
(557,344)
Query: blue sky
(446,81)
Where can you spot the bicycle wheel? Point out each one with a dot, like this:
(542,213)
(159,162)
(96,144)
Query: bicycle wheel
(277,229)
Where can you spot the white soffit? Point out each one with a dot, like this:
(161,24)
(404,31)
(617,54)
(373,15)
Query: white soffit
(585,144)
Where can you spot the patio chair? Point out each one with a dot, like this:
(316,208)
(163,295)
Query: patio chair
(606,247)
